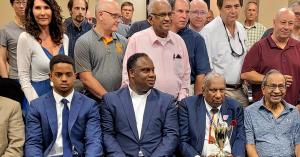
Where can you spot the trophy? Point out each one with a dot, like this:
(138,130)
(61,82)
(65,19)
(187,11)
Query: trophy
(222,132)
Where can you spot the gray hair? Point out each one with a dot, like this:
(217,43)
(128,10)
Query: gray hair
(294,4)
(281,10)
(155,2)
(210,76)
(267,75)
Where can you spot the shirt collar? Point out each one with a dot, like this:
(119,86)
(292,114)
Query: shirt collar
(154,38)
(134,94)
(208,107)
(183,30)
(58,97)
(291,42)
(99,36)
(249,27)
(287,107)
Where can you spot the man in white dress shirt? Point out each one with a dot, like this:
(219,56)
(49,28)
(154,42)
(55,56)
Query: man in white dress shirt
(63,122)
(225,40)
(199,115)
(139,120)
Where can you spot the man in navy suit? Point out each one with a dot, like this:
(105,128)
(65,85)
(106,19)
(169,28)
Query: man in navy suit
(198,114)
(63,122)
(139,120)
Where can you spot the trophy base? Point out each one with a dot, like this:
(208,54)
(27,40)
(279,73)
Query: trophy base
(222,154)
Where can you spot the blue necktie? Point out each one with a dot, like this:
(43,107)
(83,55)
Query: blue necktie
(67,147)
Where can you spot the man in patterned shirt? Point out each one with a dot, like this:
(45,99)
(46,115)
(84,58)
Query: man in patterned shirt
(254,30)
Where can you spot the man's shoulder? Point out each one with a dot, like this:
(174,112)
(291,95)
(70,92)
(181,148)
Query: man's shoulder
(161,94)
(87,37)
(7,103)
(142,33)
(86,99)
(192,34)
(38,102)
(260,25)
(254,107)
(232,102)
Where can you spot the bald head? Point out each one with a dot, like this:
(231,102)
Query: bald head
(105,4)
(199,3)
(198,14)
(283,11)
(155,5)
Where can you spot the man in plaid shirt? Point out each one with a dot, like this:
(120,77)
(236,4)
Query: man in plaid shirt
(254,30)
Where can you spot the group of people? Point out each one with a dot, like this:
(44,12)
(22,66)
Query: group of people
(108,86)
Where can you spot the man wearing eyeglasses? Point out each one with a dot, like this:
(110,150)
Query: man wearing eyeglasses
(99,52)
(271,124)
(198,15)
(277,51)
(194,42)
(225,40)
(166,49)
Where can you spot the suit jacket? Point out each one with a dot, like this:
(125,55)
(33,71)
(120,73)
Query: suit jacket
(12,134)
(159,135)
(192,124)
(84,126)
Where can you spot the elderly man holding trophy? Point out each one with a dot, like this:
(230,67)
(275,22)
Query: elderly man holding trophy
(211,124)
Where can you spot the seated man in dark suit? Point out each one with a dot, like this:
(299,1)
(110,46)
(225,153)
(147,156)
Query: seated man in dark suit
(63,122)
(139,120)
(198,115)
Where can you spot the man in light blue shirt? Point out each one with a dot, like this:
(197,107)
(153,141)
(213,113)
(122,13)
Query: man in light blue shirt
(272,125)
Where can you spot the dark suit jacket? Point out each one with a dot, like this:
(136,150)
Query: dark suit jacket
(192,124)
(159,135)
(84,126)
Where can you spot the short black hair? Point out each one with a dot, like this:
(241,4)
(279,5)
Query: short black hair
(126,3)
(131,62)
(61,59)
(220,3)
(70,5)
(12,2)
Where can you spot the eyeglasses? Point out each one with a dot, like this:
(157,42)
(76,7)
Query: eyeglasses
(19,3)
(113,15)
(198,12)
(233,53)
(274,86)
(162,15)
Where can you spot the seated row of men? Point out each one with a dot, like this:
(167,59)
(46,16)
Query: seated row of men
(139,120)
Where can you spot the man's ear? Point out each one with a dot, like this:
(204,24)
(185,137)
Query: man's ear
(50,75)
(131,73)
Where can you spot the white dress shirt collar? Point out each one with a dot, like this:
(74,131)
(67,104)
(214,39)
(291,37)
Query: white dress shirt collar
(58,97)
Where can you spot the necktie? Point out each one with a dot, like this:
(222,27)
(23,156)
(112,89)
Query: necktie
(67,149)
(214,122)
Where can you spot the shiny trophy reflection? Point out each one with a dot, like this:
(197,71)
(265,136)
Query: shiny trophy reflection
(222,132)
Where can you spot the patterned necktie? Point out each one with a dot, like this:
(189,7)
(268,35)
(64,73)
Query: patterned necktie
(67,149)
(214,122)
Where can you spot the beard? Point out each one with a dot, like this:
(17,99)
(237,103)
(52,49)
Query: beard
(79,18)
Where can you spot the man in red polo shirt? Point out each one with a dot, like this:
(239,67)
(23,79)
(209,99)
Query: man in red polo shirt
(278,51)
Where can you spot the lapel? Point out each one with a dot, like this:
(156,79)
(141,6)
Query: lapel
(150,104)
(201,113)
(226,111)
(50,107)
(74,110)
(129,111)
